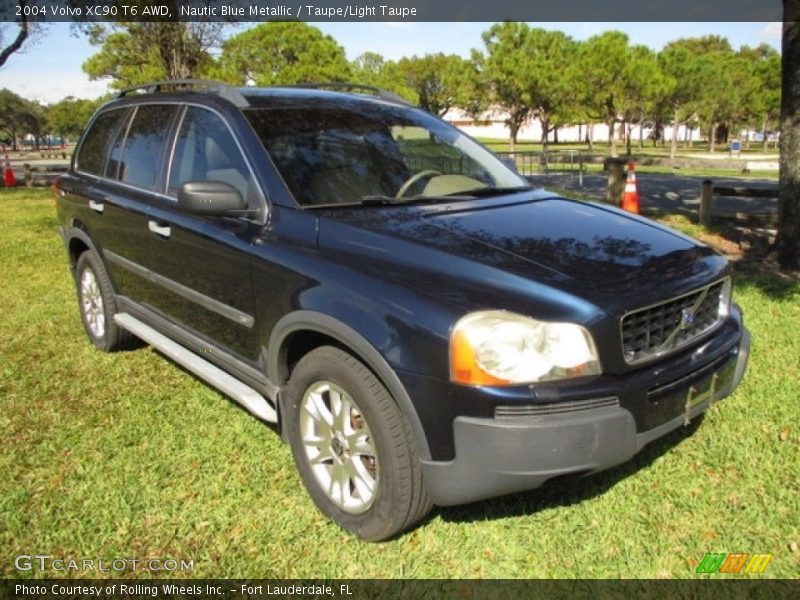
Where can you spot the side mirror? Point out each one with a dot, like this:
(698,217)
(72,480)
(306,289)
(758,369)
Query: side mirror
(211,198)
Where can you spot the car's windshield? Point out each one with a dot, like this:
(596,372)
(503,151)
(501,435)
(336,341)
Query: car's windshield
(353,153)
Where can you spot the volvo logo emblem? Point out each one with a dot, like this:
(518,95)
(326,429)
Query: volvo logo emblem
(687,318)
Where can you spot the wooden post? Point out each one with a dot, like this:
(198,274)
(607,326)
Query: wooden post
(706,195)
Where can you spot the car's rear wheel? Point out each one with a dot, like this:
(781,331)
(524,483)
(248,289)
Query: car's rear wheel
(352,446)
(98,305)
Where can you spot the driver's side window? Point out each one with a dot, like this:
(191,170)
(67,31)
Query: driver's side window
(206,151)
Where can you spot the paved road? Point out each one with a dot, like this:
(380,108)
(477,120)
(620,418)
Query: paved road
(671,193)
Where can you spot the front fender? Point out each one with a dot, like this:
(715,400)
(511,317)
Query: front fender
(313,321)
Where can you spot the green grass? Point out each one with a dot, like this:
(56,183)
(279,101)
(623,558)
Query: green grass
(560,161)
(126,455)
(602,147)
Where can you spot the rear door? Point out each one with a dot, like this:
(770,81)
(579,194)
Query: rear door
(133,174)
(203,263)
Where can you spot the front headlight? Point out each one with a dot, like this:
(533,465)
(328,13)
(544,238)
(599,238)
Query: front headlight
(501,348)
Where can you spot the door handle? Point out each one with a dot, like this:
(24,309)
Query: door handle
(162,230)
(96,206)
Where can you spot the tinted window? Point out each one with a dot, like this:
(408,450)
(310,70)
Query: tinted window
(342,154)
(144,147)
(206,151)
(94,149)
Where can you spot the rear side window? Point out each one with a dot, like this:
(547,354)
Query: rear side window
(94,149)
(145,145)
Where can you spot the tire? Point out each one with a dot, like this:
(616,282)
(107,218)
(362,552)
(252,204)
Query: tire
(362,472)
(97,305)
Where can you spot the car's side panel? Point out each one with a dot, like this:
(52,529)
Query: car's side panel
(203,269)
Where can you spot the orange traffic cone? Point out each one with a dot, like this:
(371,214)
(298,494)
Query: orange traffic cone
(8,174)
(630,197)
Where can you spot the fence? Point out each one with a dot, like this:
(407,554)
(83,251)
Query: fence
(709,190)
(532,162)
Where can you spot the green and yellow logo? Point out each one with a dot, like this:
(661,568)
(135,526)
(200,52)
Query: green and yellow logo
(733,563)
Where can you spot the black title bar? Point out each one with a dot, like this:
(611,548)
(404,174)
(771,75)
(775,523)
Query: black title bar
(389,10)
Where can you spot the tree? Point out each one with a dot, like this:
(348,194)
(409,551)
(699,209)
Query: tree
(472,92)
(505,64)
(433,78)
(722,88)
(642,84)
(137,52)
(685,78)
(551,86)
(370,68)
(20,117)
(277,53)
(67,117)
(18,37)
(788,240)
(602,69)
(764,97)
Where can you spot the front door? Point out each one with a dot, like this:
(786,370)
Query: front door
(203,263)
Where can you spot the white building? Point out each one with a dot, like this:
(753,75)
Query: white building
(492,125)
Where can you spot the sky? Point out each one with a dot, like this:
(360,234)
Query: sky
(50,69)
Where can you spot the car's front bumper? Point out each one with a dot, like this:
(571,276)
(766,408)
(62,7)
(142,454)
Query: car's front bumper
(496,456)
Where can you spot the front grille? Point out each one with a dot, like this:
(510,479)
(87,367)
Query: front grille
(555,408)
(656,330)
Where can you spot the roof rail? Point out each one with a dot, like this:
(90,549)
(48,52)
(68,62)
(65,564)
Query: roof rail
(344,87)
(184,85)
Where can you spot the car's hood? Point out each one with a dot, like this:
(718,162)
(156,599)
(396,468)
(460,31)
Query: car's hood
(582,248)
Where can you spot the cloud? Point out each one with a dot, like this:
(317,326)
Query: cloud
(772,30)
(60,85)
(397,24)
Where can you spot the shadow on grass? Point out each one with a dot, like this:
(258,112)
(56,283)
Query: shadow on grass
(747,243)
(750,246)
(767,278)
(565,491)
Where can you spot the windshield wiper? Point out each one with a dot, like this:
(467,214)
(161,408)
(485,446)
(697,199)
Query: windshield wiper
(484,192)
(378,199)
(381,200)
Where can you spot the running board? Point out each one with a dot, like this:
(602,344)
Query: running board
(228,385)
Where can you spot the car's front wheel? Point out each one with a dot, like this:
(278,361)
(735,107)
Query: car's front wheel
(352,446)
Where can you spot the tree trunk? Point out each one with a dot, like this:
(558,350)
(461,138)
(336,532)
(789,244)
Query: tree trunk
(19,39)
(580,131)
(788,240)
(612,139)
(764,131)
(555,135)
(641,134)
(674,148)
(513,130)
(712,137)
(545,122)
(628,130)
(590,136)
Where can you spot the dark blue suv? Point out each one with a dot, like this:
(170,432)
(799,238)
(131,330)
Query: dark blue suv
(423,326)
